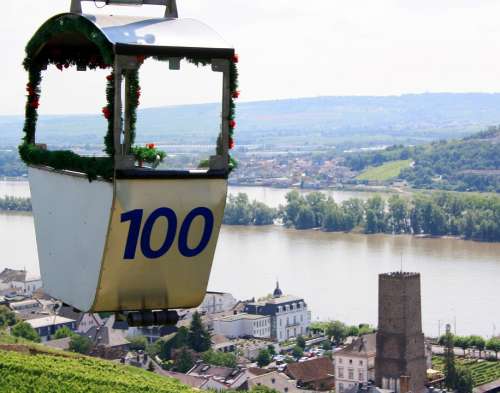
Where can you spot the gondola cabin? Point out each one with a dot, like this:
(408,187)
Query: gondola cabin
(114,234)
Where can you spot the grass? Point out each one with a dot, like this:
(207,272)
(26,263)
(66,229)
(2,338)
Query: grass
(483,371)
(387,171)
(29,367)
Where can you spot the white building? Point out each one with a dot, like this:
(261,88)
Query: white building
(28,285)
(47,326)
(355,363)
(243,325)
(216,302)
(289,315)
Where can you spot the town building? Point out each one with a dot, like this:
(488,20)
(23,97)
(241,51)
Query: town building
(355,363)
(219,378)
(289,315)
(216,302)
(47,326)
(276,381)
(243,325)
(28,285)
(400,341)
(316,374)
(84,321)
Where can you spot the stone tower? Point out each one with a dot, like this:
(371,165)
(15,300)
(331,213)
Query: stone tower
(400,341)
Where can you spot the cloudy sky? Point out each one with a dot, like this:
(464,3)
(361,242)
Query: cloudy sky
(289,48)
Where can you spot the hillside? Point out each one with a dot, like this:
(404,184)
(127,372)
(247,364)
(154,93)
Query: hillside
(351,120)
(468,164)
(26,371)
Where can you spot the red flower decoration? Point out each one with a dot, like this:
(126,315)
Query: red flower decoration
(150,145)
(138,93)
(141,58)
(66,65)
(235,58)
(59,66)
(35,104)
(106,112)
(235,94)
(110,77)
(232,123)
(231,143)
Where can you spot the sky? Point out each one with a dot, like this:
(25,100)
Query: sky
(287,49)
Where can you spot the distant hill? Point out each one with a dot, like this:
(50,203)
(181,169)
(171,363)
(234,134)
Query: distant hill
(468,164)
(352,120)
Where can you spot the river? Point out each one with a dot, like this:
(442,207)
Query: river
(335,273)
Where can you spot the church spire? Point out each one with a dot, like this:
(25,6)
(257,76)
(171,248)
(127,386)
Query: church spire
(277,292)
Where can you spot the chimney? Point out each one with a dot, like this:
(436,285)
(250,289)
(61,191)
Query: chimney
(404,384)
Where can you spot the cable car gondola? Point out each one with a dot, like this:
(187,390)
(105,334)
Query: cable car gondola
(132,239)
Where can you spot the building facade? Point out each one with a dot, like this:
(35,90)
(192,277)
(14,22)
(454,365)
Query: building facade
(400,341)
(243,325)
(355,363)
(47,326)
(289,315)
(216,302)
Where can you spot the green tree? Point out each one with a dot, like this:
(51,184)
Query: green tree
(183,360)
(63,332)
(289,213)
(7,317)
(238,210)
(24,330)
(297,352)
(337,330)
(450,372)
(493,344)
(137,343)
(462,342)
(398,215)
(217,358)
(478,342)
(271,350)
(375,215)
(263,358)
(80,344)
(464,382)
(263,214)
(198,336)
(326,345)
(305,218)
(301,342)
(352,331)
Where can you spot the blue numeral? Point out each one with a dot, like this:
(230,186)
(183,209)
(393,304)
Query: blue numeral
(169,214)
(135,218)
(207,231)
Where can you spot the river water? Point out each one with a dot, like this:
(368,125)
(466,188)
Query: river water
(335,273)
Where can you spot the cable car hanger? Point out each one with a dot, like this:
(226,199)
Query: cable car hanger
(170,5)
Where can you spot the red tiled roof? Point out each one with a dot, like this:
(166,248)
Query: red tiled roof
(311,370)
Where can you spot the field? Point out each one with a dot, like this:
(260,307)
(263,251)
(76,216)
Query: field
(33,371)
(387,171)
(482,371)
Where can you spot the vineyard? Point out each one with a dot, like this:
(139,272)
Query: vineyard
(483,371)
(25,372)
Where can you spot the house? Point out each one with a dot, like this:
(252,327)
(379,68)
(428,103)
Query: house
(289,315)
(28,285)
(315,374)
(215,302)
(107,343)
(355,363)
(47,326)
(366,388)
(84,321)
(222,343)
(219,378)
(189,380)
(276,381)
(243,325)
(8,275)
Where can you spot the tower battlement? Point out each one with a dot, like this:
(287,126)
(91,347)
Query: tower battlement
(399,276)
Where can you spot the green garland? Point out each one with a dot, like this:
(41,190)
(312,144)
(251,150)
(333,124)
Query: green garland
(38,58)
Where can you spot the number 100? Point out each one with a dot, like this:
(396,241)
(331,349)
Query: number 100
(135,217)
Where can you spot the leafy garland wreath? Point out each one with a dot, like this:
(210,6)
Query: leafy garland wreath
(93,167)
